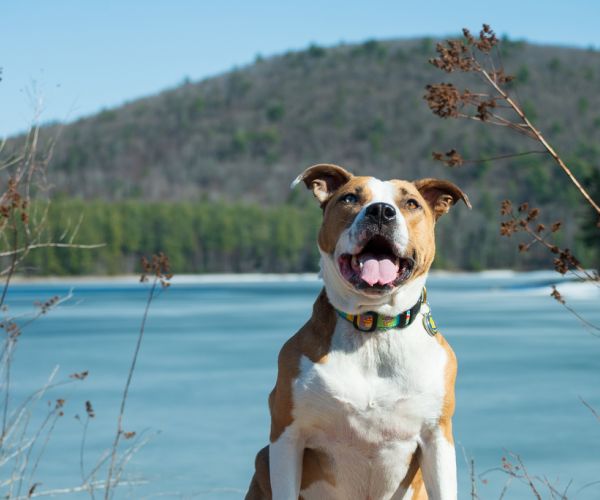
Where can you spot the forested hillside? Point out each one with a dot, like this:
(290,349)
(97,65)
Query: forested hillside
(214,159)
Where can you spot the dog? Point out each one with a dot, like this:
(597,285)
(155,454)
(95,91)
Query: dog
(363,403)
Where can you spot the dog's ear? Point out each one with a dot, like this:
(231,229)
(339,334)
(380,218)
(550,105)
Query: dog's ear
(323,180)
(440,195)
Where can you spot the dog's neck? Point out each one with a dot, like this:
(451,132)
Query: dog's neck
(345,298)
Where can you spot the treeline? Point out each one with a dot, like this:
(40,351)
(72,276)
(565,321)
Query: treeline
(201,237)
(197,237)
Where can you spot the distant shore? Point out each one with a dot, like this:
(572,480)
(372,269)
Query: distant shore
(538,282)
(242,277)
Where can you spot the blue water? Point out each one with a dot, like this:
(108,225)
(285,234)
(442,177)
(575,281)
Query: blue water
(208,363)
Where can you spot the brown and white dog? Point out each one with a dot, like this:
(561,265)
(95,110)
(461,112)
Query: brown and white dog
(357,415)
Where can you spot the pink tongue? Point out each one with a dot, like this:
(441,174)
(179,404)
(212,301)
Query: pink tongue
(374,270)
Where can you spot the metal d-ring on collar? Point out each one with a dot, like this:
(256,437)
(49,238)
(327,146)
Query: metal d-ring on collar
(428,322)
(371,321)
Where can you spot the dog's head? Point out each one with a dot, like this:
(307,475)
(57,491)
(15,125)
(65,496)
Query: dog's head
(377,237)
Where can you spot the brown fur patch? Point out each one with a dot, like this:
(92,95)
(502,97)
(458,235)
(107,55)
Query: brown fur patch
(313,341)
(449,403)
(316,466)
(324,179)
(414,478)
(413,467)
(260,486)
(338,216)
(421,225)
(441,195)
(418,486)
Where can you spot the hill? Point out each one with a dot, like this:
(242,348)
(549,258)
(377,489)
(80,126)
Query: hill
(242,136)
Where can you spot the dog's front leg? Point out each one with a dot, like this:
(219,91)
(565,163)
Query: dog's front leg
(438,463)
(285,465)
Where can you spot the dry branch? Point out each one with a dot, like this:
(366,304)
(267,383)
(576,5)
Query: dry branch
(159,269)
(446,101)
(473,54)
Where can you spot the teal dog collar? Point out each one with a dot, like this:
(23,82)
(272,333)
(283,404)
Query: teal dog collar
(371,321)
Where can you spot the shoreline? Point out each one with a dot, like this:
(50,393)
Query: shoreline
(538,282)
(261,277)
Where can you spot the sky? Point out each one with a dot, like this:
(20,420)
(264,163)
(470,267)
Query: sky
(70,58)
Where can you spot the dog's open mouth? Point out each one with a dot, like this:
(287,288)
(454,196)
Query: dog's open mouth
(376,266)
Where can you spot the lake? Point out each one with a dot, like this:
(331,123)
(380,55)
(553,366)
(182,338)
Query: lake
(208,362)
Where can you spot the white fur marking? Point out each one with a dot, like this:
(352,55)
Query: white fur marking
(370,446)
(285,464)
(438,464)
(383,192)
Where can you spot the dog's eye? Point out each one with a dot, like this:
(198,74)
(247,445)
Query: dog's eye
(349,198)
(412,204)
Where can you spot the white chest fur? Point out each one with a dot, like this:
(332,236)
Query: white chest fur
(369,402)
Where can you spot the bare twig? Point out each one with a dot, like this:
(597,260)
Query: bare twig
(160,268)
(470,462)
(49,245)
(515,468)
(528,478)
(119,432)
(474,495)
(51,418)
(452,158)
(89,414)
(142,440)
(564,260)
(586,486)
(590,327)
(591,408)
(79,489)
(505,488)
(542,140)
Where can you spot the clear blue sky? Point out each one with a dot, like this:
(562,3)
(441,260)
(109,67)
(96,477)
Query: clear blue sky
(84,55)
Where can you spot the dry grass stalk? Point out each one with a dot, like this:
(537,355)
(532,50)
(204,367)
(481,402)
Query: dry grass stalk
(591,408)
(158,268)
(24,207)
(58,492)
(525,221)
(514,467)
(22,449)
(24,212)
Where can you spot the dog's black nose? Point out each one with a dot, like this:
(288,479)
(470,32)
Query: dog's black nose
(381,212)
